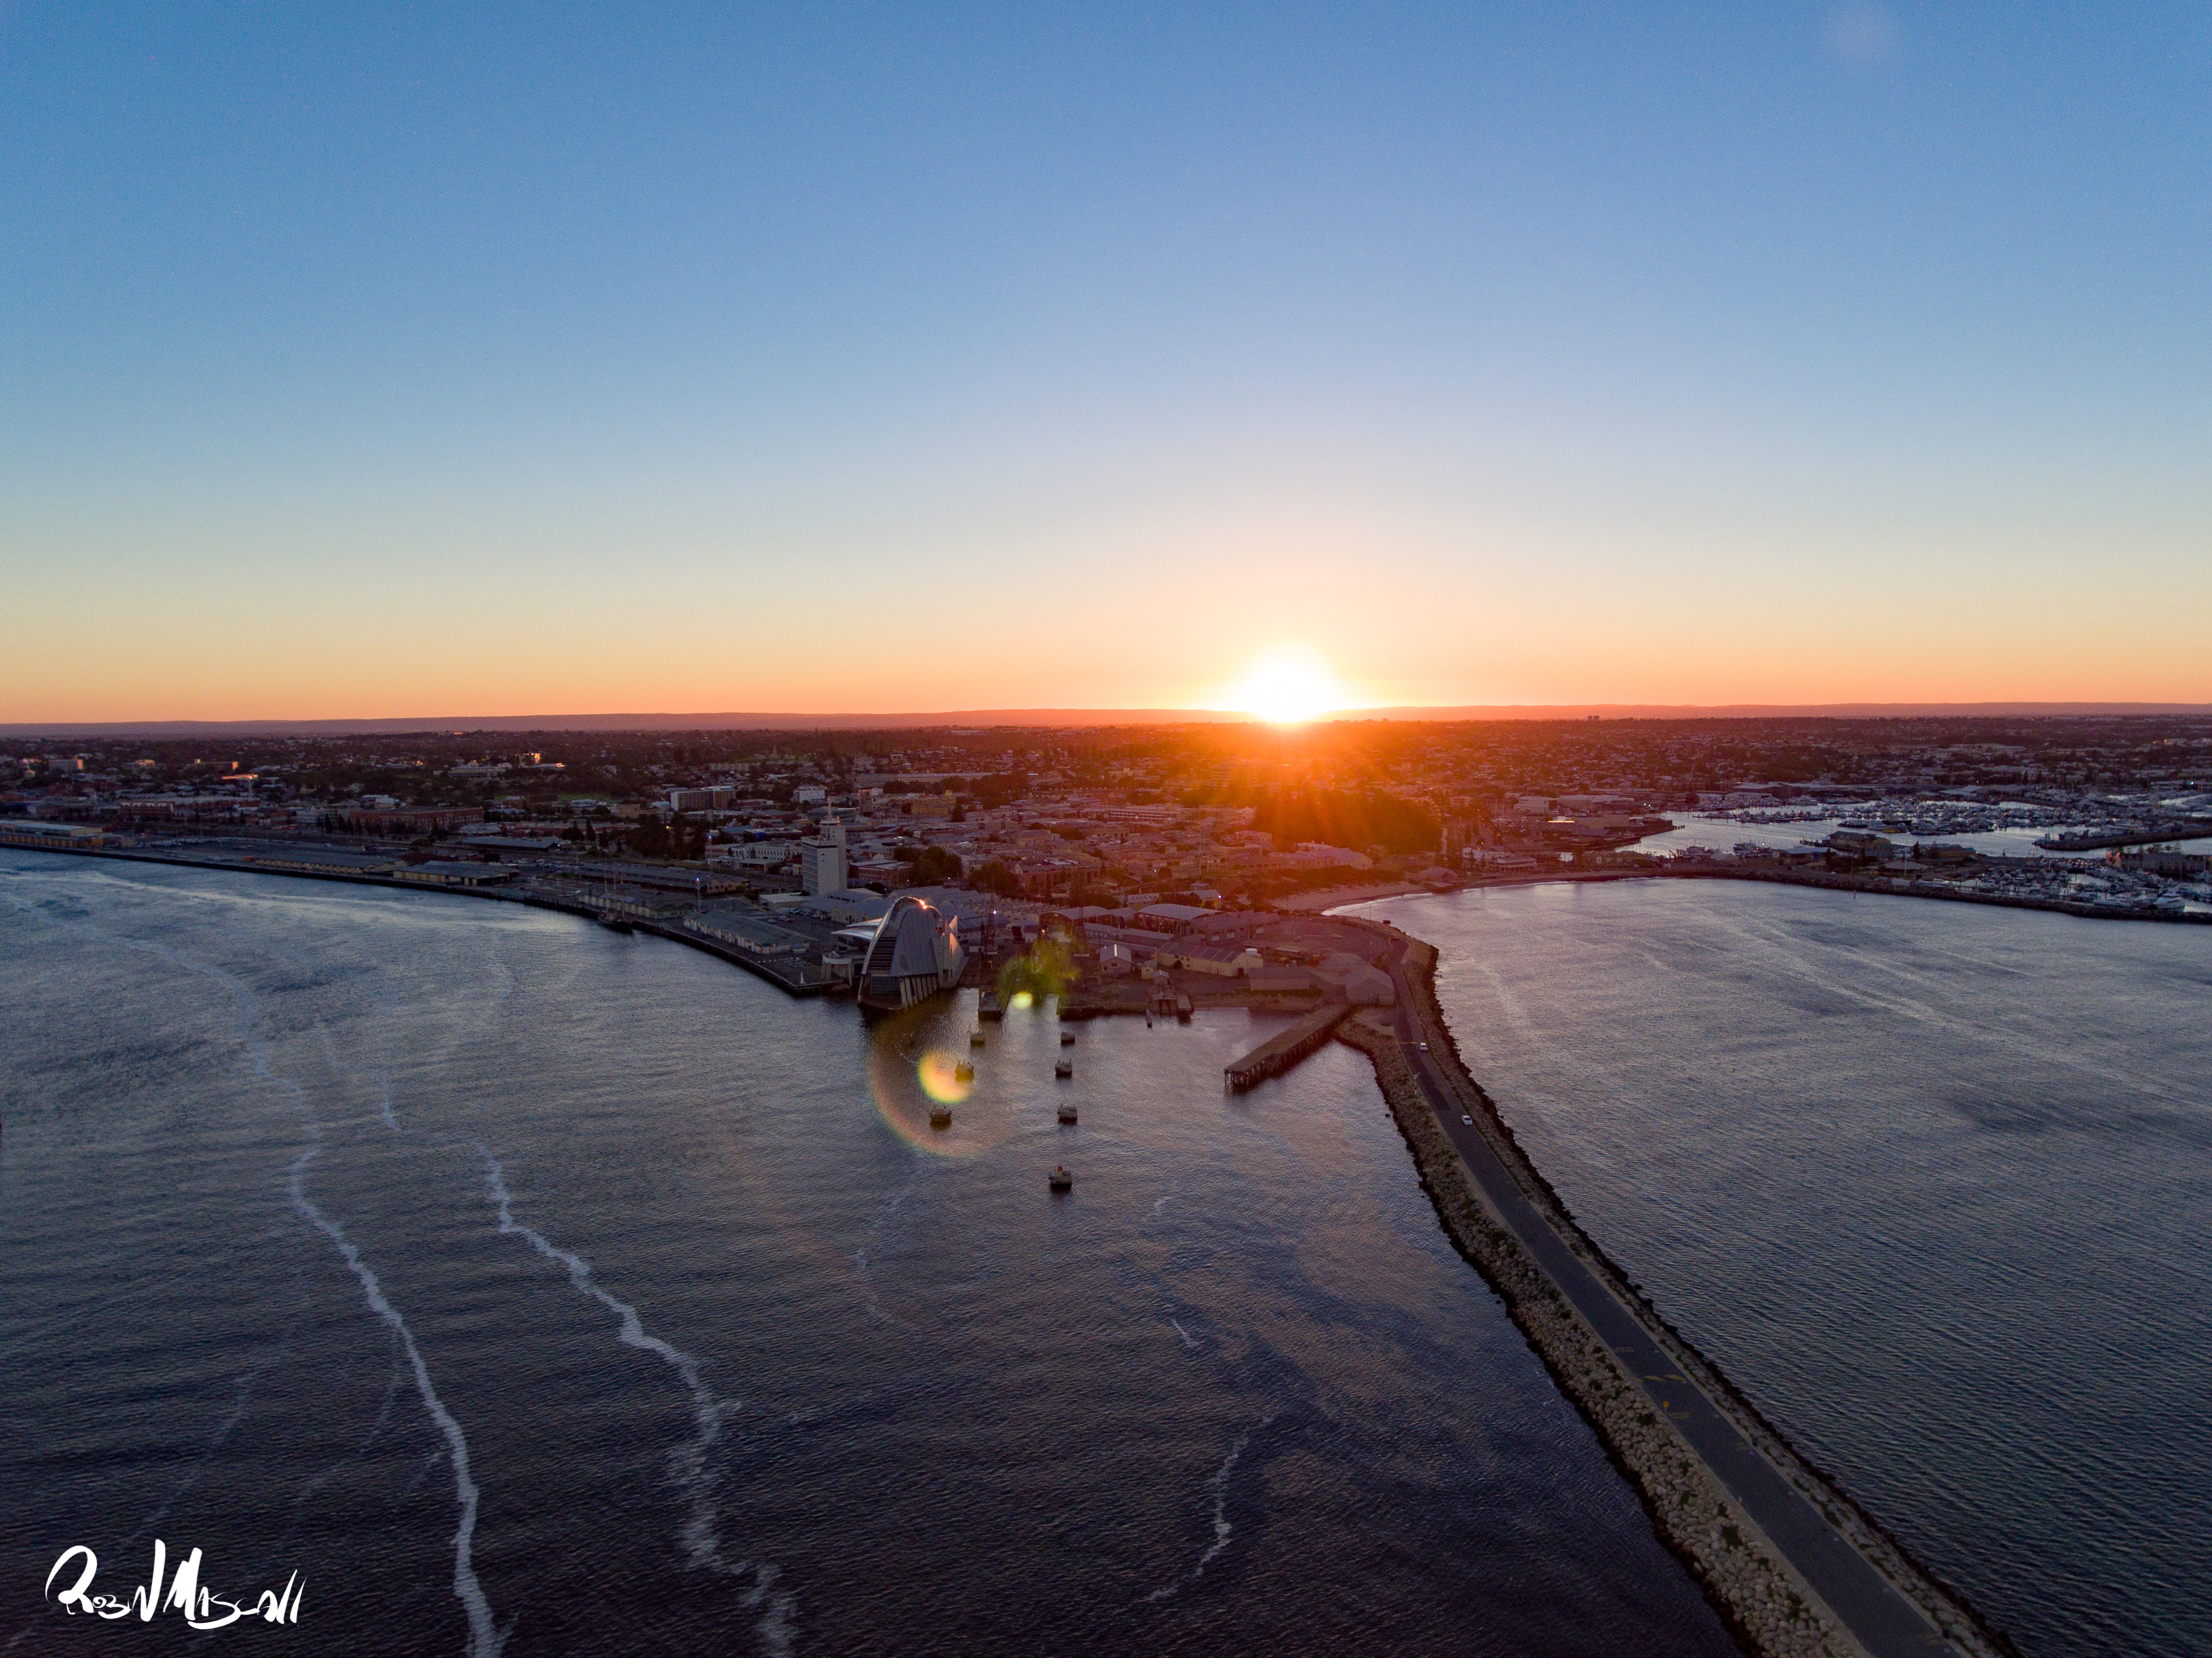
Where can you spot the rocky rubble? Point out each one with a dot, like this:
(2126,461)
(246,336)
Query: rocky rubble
(1745,1577)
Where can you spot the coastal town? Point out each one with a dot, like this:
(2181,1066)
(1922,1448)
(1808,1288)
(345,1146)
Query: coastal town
(788,848)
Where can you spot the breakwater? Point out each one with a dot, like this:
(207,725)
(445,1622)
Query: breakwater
(2181,829)
(1782,1551)
(1834,882)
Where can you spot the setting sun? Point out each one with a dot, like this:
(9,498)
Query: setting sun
(1287,687)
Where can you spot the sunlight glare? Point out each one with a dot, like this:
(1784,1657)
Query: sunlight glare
(1287,687)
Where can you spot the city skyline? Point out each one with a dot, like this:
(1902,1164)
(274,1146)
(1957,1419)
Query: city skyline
(370,367)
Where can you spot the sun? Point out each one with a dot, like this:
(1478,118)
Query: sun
(1287,687)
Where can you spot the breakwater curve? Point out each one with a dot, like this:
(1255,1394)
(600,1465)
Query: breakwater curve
(1786,1555)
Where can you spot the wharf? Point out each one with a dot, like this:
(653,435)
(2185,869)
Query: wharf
(1284,1049)
(783,972)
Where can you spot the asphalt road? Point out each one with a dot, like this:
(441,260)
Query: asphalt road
(1883,1620)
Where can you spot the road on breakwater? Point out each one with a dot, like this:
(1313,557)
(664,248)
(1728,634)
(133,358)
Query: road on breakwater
(1871,1608)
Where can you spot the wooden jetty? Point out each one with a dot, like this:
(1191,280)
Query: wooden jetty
(1284,1049)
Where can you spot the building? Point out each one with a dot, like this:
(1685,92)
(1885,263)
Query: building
(706,799)
(477,841)
(1171,918)
(320,860)
(1222,961)
(1320,854)
(1359,982)
(412,820)
(848,908)
(454,875)
(916,954)
(1487,862)
(822,859)
(2162,860)
(759,856)
(65,837)
(1861,843)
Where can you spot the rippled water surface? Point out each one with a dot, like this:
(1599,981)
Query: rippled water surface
(516,1282)
(1933,1182)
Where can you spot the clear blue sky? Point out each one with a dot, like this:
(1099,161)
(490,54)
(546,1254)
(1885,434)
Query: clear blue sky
(378,361)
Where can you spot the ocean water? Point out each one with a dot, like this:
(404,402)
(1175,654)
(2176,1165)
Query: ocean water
(520,1285)
(1932,1182)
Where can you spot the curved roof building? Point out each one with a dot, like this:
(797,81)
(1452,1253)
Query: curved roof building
(917,953)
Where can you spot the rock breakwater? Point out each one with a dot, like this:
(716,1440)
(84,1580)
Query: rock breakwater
(1747,1577)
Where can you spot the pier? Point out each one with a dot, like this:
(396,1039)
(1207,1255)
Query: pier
(1284,1049)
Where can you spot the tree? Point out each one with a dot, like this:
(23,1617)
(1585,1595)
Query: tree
(994,877)
(930,866)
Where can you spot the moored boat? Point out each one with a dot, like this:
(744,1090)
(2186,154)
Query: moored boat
(1060,1180)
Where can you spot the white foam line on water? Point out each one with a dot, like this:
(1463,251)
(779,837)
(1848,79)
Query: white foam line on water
(485,1639)
(1185,1334)
(702,1546)
(776,1626)
(1222,1529)
(875,1308)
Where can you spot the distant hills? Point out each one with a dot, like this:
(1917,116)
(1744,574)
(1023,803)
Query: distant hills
(986,718)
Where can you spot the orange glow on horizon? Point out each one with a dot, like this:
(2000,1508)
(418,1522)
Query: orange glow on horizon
(1288,686)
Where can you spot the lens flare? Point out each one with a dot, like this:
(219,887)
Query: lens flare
(940,1077)
(914,1058)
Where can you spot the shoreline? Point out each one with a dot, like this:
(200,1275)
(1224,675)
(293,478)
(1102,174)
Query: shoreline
(1321,902)
(676,932)
(1700,1502)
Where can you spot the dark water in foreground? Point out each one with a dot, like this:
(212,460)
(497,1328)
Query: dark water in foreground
(512,1280)
(1932,1182)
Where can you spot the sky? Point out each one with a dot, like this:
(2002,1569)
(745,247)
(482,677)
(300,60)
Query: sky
(380,361)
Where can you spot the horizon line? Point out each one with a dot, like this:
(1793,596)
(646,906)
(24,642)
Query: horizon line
(988,718)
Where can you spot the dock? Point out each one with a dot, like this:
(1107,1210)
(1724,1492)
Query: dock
(1284,1049)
